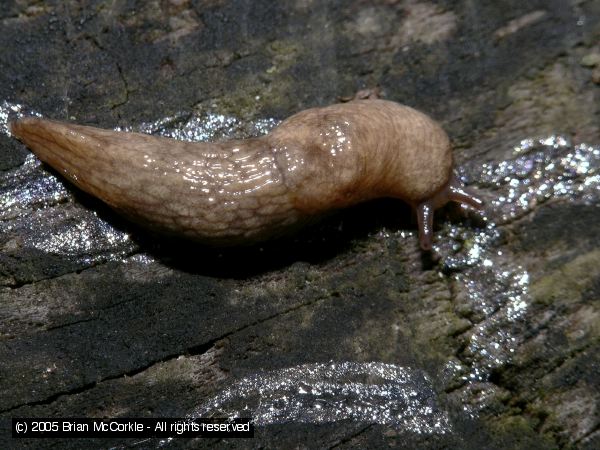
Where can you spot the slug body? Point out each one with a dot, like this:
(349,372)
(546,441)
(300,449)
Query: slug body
(239,191)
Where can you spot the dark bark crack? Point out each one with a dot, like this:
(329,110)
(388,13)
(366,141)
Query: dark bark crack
(193,350)
(348,439)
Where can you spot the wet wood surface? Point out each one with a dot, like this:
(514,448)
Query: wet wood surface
(117,323)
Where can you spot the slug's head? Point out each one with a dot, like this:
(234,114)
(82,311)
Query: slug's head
(453,191)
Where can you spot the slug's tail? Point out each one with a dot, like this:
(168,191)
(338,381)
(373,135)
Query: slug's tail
(453,192)
(91,158)
(61,145)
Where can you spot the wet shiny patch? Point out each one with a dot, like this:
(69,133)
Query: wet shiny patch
(202,127)
(374,392)
(494,284)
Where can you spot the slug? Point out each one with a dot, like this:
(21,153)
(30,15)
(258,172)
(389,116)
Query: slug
(241,191)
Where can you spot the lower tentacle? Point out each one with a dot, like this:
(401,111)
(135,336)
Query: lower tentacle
(425,220)
(454,191)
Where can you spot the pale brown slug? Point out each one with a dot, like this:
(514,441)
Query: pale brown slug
(247,190)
